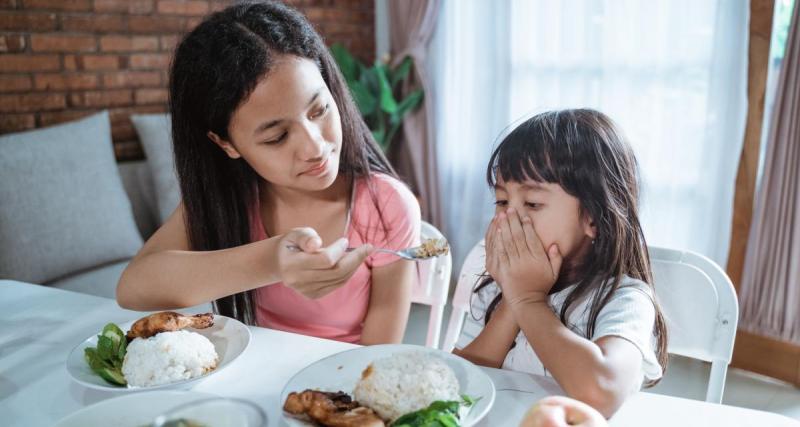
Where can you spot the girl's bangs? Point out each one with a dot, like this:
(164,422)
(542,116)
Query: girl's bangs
(523,155)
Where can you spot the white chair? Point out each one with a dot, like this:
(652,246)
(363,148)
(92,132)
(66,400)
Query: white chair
(474,265)
(696,297)
(699,303)
(433,286)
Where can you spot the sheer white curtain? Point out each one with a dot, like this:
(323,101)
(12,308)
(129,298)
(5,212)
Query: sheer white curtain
(672,73)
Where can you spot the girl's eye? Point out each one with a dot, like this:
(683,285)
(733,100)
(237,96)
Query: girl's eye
(321,111)
(277,140)
(533,205)
(501,202)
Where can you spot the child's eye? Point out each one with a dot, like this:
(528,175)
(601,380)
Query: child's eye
(501,202)
(277,140)
(533,205)
(321,111)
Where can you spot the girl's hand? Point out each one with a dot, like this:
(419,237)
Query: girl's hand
(518,261)
(316,271)
(557,411)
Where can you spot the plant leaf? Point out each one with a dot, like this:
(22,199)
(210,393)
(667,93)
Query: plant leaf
(388,104)
(365,100)
(401,72)
(348,64)
(410,102)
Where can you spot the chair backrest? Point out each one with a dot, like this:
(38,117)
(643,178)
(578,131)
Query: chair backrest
(473,267)
(433,285)
(434,273)
(701,310)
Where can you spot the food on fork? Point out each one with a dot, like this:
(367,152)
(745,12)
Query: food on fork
(333,409)
(433,247)
(168,321)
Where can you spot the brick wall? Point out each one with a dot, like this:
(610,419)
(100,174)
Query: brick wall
(64,59)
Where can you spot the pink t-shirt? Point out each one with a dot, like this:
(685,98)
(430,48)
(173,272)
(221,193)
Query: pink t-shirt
(340,314)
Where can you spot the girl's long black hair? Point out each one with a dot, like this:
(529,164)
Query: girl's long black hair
(215,68)
(583,151)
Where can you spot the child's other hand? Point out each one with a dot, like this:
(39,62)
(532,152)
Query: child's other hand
(517,259)
(557,411)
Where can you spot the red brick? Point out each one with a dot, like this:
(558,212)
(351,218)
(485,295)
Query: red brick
(72,5)
(12,43)
(123,132)
(99,62)
(183,7)
(70,62)
(156,24)
(14,83)
(16,122)
(128,43)
(27,21)
(151,96)
(219,5)
(150,60)
(56,117)
(30,102)
(94,23)
(8,4)
(26,62)
(168,43)
(132,79)
(62,81)
(62,43)
(101,98)
(125,6)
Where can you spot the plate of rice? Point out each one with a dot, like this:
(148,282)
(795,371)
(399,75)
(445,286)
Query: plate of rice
(397,379)
(174,359)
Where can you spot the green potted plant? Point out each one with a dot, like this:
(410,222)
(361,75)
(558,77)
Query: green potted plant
(374,88)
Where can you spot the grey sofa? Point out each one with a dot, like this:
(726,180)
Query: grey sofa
(71,217)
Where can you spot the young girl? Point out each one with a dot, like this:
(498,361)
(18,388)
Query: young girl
(272,154)
(569,288)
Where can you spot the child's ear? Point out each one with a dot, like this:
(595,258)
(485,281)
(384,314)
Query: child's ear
(226,146)
(588,226)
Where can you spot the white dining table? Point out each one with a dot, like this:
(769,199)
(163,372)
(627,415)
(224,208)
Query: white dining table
(39,326)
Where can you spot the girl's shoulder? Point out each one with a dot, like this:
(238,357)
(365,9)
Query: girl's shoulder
(384,193)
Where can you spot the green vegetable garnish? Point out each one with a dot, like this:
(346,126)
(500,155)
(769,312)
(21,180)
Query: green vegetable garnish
(106,359)
(438,414)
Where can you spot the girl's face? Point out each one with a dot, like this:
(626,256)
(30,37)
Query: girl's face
(557,216)
(288,130)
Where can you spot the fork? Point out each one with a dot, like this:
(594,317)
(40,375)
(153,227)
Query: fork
(411,254)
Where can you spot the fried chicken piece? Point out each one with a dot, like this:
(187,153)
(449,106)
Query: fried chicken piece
(168,321)
(331,409)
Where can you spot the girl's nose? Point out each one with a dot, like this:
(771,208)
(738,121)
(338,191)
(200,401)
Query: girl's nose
(312,144)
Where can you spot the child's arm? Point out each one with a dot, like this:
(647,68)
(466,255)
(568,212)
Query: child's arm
(600,374)
(491,346)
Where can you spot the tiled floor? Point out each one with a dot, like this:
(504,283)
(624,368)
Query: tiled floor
(685,377)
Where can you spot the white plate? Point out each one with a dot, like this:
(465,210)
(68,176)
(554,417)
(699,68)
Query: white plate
(133,410)
(341,371)
(229,336)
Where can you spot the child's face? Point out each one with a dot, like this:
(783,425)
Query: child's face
(557,216)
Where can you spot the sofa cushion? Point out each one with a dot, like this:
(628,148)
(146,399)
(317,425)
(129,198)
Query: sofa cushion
(155,133)
(62,205)
(100,281)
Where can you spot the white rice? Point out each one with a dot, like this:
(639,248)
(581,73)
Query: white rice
(168,357)
(405,382)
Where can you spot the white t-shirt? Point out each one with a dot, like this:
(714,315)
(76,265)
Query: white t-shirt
(629,314)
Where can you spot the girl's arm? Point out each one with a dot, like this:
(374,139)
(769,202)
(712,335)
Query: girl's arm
(600,373)
(389,303)
(491,346)
(166,274)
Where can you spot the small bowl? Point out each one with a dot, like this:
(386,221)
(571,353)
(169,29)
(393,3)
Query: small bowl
(213,412)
